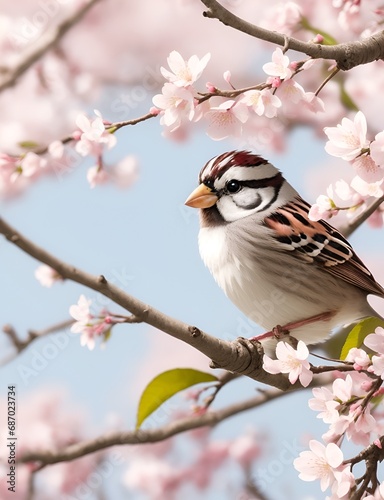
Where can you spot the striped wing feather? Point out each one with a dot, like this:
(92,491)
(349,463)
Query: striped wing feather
(319,243)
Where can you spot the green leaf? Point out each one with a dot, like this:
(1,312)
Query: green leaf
(358,333)
(165,386)
(347,100)
(28,144)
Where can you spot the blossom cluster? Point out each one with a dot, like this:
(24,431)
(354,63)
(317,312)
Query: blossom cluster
(232,113)
(349,141)
(91,138)
(92,326)
(349,407)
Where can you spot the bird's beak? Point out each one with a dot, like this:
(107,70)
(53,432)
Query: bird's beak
(201,197)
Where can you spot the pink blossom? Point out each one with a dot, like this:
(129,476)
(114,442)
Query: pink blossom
(283,17)
(367,169)
(290,92)
(279,65)
(80,312)
(125,172)
(96,176)
(348,139)
(244,449)
(345,480)
(359,358)
(227,76)
(367,188)
(325,403)
(56,149)
(291,361)
(377,366)
(184,73)
(377,148)
(342,389)
(319,463)
(226,119)
(324,206)
(31,164)
(176,104)
(47,276)
(93,136)
(375,341)
(343,190)
(263,102)
(313,102)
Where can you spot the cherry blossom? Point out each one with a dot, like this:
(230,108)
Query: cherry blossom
(319,463)
(377,148)
(176,104)
(375,341)
(367,169)
(279,65)
(283,17)
(324,403)
(87,324)
(291,92)
(262,102)
(125,172)
(96,176)
(93,135)
(226,119)
(348,139)
(47,276)
(367,188)
(184,73)
(31,163)
(291,361)
(324,206)
(359,358)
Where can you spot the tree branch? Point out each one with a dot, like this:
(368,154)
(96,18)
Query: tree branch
(142,436)
(349,228)
(241,356)
(45,43)
(21,344)
(347,55)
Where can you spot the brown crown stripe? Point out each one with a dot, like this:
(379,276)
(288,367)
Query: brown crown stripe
(239,159)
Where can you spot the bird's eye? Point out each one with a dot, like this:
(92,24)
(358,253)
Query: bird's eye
(233,186)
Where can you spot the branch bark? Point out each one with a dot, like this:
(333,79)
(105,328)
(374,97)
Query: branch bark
(349,228)
(148,435)
(347,55)
(241,356)
(45,43)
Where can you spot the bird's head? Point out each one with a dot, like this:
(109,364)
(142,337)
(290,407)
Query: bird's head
(235,185)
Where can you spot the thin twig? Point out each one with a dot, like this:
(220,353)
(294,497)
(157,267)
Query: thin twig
(21,344)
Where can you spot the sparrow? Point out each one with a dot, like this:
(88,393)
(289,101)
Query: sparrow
(282,270)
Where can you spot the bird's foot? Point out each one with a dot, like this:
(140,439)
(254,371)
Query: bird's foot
(279,332)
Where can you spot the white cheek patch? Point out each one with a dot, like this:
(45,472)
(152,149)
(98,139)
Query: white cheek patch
(246,202)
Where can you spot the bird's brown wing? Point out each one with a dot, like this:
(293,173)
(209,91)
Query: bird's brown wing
(319,243)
